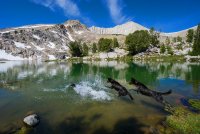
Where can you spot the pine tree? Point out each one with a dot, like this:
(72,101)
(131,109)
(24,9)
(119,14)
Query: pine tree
(169,50)
(179,46)
(75,49)
(174,39)
(179,39)
(196,45)
(85,49)
(162,49)
(94,48)
(154,36)
(115,43)
(190,36)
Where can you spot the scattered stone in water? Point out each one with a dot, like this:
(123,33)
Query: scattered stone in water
(32,120)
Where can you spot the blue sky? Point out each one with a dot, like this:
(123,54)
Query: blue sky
(164,15)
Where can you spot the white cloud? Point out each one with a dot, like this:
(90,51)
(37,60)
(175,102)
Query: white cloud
(68,6)
(115,8)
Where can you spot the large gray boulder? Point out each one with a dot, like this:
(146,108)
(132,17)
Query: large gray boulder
(32,120)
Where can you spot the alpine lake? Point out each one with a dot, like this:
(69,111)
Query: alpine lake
(91,107)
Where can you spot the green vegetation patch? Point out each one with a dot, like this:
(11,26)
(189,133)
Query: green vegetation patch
(161,58)
(138,41)
(184,121)
(195,103)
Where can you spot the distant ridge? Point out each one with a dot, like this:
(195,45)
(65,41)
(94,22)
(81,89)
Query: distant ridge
(124,29)
(181,33)
(131,27)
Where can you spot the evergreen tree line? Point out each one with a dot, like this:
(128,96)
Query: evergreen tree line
(194,37)
(138,42)
(79,49)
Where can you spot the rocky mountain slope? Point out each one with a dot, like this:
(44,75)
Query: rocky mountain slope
(123,29)
(43,42)
(39,41)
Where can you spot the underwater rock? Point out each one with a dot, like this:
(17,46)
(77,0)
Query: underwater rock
(32,120)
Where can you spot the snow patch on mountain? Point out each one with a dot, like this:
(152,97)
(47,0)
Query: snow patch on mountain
(51,45)
(36,37)
(52,57)
(7,56)
(70,37)
(20,45)
(37,47)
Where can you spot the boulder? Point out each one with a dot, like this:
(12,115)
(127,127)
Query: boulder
(32,120)
(103,56)
(112,55)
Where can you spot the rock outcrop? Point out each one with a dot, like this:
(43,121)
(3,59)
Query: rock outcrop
(117,53)
(39,42)
(75,26)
